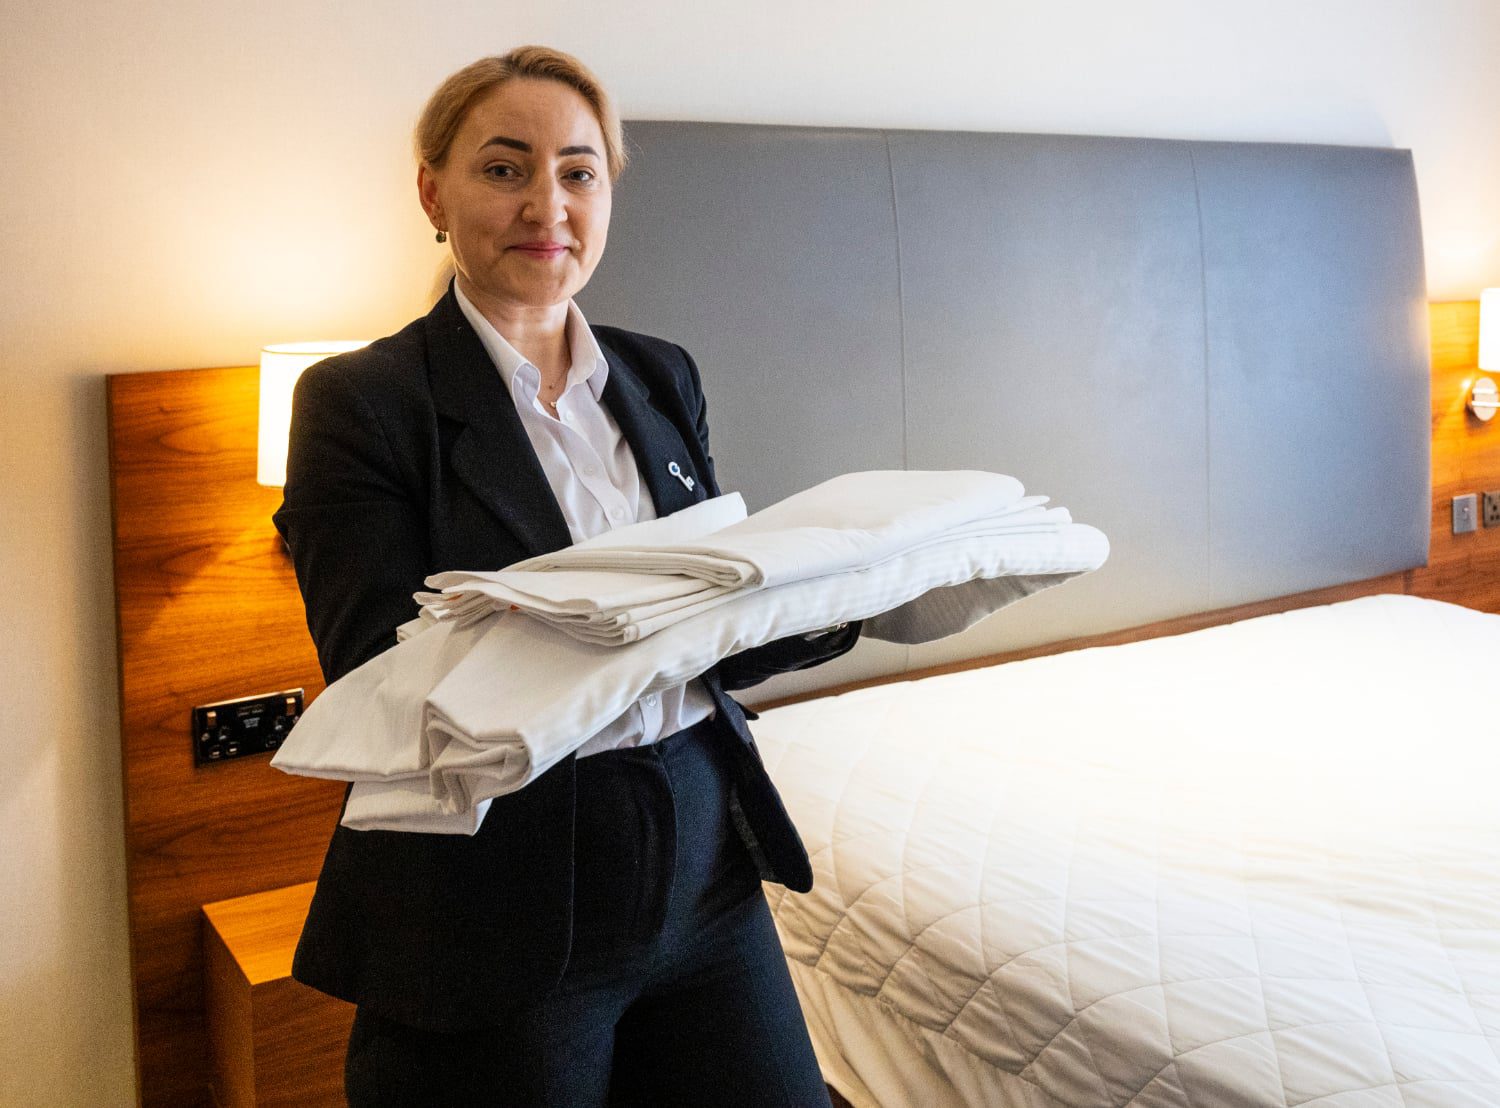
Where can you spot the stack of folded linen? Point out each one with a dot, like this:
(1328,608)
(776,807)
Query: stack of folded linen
(598,603)
(504,673)
(633,582)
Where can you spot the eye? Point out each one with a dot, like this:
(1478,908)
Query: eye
(501,172)
(582,176)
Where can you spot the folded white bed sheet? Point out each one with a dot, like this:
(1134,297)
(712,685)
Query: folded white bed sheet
(478,699)
(848,522)
(637,583)
(582,595)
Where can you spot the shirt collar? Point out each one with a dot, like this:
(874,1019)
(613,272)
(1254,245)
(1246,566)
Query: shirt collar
(588,362)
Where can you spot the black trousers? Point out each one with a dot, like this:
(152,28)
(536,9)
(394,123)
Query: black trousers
(676,992)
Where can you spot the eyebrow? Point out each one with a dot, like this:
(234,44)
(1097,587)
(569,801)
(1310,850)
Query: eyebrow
(525,147)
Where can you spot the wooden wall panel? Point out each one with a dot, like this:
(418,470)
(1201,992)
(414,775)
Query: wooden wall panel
(208,609)
(1464,569)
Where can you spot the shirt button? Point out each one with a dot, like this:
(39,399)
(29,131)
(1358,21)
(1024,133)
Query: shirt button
(617,513)
(567,417)
(590,471)
(651,699)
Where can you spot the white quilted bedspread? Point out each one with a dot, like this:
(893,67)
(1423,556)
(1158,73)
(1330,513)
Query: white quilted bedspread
(1253,865)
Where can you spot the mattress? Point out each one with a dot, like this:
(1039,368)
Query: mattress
(1257,864)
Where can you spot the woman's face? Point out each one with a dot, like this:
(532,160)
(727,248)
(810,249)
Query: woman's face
(524,195)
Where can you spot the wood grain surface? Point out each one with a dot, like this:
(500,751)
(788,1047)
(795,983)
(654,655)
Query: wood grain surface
(1465,458)
(261,930)
(231,1023)
(208,609)
(300,1036)
(275,1041)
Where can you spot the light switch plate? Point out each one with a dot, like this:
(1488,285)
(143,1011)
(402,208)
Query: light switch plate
(1465,513)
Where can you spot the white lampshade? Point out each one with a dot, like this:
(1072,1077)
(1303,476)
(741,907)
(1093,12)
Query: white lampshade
(280,366)
(1489,329)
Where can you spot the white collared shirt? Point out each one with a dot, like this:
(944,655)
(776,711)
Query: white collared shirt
(592,473)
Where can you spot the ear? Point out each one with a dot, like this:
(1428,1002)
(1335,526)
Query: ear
(427,193)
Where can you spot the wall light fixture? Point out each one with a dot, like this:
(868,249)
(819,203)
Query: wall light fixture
(280,366)
(1484,397)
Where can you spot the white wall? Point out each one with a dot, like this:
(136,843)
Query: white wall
(181,182)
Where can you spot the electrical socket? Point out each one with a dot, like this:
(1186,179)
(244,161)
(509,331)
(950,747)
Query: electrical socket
(1492,508)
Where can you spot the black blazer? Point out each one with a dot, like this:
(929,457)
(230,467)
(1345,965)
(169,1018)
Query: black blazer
(407,458)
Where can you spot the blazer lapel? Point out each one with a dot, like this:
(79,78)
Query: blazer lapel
(490,453)
(661,456)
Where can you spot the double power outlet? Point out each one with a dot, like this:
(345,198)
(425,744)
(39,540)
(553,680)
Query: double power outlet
(1466,511)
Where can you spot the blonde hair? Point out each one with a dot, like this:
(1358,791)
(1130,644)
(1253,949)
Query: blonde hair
(450,103)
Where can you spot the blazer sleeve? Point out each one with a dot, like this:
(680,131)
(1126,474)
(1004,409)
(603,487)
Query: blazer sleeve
(357,538)
(750,667)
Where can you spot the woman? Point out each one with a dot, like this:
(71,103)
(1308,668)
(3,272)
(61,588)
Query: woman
(603,938)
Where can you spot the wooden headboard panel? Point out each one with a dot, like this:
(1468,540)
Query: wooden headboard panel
(1464,569)
(209,610)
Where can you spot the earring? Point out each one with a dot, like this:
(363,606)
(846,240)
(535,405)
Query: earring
(442,236)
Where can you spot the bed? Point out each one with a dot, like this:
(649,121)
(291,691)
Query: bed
(1257,864)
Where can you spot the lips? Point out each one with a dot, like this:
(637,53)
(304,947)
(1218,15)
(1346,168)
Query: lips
(540,249)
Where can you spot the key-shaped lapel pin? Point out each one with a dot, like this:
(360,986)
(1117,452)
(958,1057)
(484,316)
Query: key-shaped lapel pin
(676,471)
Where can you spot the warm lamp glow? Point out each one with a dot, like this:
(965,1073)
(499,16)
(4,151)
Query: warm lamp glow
(1484,397)
(1489,329)
(280,366)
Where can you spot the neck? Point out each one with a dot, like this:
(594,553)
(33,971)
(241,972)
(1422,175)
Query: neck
(538,333)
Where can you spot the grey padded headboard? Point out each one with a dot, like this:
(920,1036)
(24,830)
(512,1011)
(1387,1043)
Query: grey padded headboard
(1215,352)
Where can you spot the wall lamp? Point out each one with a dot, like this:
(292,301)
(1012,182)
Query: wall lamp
(1484,397)
(280,366)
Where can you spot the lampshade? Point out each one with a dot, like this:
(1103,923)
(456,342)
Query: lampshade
(280,366)
(1489,329)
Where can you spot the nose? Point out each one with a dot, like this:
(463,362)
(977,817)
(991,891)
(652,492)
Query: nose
(546,202)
